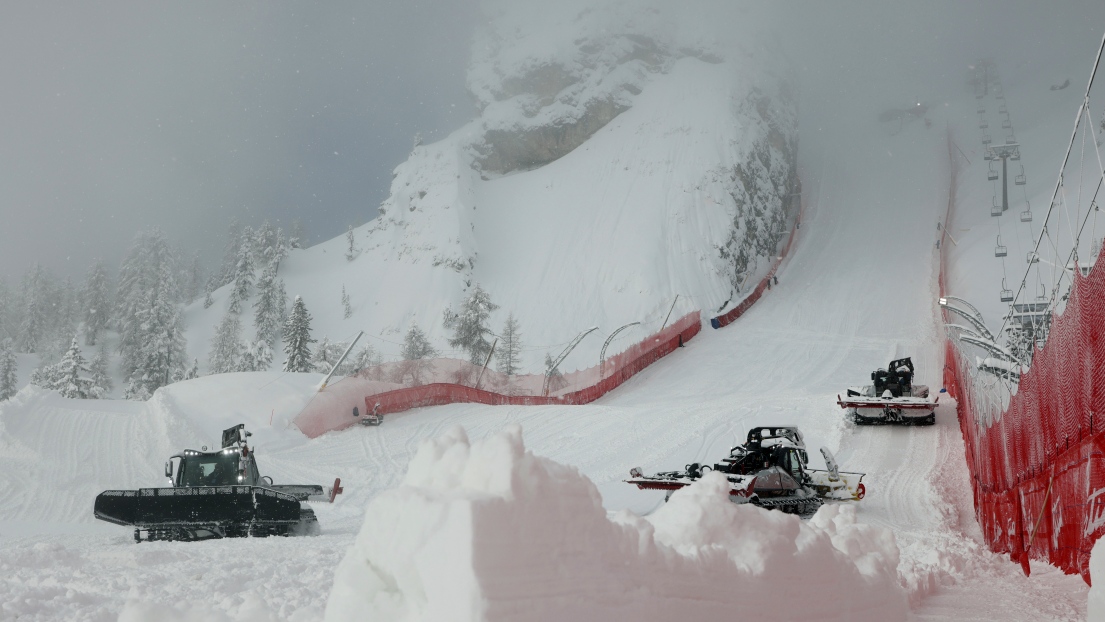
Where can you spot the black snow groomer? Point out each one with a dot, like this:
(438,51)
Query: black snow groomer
(216,494)
(891,398)
(769,470)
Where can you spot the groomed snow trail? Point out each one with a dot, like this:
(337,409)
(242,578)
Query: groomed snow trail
(858,291)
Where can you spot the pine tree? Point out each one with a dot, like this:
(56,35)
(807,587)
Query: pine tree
(193,280)
(326,354)
(470,326)
(269,307)
(297,338)
(97,303)
(160,359)
(71,379)
(352,251)
(32,330)
(207,301)
(416,349)
(193,371)
(7,312)
(145,303)
(295,235)
(9,368)
(230,255)
(364,358)
(509,351)
(226,345)
(98,369)
(348,310)
(243,272)
(256,357)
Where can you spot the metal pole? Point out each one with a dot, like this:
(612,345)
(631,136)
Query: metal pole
(486,361)
(602,354)
(669,312)
(1004,184)
(563,355)
(344,354)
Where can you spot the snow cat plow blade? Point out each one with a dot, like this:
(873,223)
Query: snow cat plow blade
(198,513)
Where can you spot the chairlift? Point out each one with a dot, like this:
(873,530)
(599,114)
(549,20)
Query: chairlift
(1006,124)
(1026,215)
(999,95)
(981,110)
(982,124)
(986,139)
(988,156)
(1012,140)
(995,209)
(1020,179)
(1016,154)
(1000,250)
(1032,257)
(1006,293)
(1002,109)
(992,174)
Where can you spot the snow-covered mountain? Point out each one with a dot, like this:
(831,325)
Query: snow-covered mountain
(624,155)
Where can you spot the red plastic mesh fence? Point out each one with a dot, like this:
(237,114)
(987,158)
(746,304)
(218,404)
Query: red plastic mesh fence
(1038,465)
(402,385)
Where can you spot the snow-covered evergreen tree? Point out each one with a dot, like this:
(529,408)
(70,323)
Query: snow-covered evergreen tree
(257,356)
(351,251)
(226,346)
(32,330)
(192,278)
(151,339)
(97,303)
(470,325)
(230,255)
(243,272)
(207,301)
(326,354)
(364,358)
(295,235)
(99,373)
(416,351)
(297,338)
(269,308)
(72,379)
(509,351)
(8,324)
(347,309)
(193,371)
(9,368)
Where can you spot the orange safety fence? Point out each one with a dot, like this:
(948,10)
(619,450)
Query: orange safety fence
(402,385)
(1038,465)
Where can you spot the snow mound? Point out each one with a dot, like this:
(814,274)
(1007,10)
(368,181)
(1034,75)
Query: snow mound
(487,530)
(1095,606)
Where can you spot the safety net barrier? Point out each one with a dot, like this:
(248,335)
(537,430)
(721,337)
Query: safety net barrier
(731,315)
(1037,457)
(401,385)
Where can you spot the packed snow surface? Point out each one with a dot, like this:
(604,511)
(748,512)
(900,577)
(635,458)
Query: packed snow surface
(489,531)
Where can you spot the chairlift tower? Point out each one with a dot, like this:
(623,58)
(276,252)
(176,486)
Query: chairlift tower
(1005,152)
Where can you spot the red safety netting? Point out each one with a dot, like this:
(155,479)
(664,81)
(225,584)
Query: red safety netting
(1038,465)
(398,386)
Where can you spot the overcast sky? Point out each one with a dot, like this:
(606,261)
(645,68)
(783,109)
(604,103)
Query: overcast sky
(116,116)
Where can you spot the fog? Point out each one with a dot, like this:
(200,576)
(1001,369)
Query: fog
(119,116)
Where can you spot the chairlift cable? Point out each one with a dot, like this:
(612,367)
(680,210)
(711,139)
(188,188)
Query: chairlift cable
(1058,182)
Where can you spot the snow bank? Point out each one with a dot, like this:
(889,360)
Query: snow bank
(489,531)
(1095,606)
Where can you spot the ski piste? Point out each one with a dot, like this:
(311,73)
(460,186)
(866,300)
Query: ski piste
(891,398)
(768,470)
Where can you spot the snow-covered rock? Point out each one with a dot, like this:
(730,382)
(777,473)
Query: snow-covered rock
(487,530)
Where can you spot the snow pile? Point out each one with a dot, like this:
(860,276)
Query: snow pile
(1095,606)
(489,531)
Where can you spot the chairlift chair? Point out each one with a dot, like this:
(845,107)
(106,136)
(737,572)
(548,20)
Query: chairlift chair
(1012,140)
(1006,124)
(1026,215)
(995,209)
(1020,179)
(982,124)
(992,174)
(1002,109)
(986,139)
(1016,154)
(999,95)
(1006,293)
(1000,250)
(981,110)
(987,156)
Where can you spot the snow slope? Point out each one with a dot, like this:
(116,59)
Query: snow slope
(610,170)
